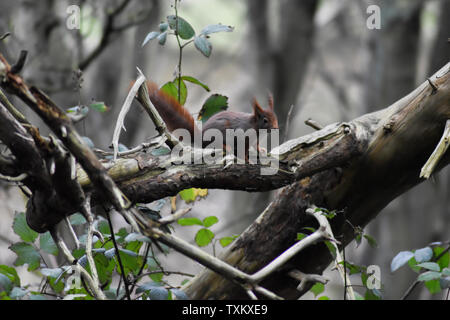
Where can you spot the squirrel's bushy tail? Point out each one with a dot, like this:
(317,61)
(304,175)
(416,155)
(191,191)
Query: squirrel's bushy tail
(174,115)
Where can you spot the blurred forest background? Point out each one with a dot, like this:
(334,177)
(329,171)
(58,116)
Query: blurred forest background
(318,56)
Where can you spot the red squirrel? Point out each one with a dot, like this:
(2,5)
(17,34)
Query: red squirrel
(176,116)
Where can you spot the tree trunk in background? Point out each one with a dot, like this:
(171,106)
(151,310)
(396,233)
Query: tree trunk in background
(410,221)
(283,41)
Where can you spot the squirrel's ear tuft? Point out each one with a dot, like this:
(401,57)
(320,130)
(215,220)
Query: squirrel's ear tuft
(270,100)
(256,107)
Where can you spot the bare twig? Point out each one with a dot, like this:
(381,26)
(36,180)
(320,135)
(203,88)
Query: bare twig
(97,292)
(313,124)
(437,154)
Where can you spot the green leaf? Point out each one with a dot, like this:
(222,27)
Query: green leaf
(163,26)
(331,248)
(225,241)
(52,272)
(213,28)
(317,288)
(372,294)
(424,254)
(413,265)
(187,195)
(171,88)
(203,45)
(181,26)
(204,237)
(433,286)
(99,106)
(432,266)
(161,151)
(301,236)
(26,254)
(190,222)
(443,261)
(209,221)
(103,227)
(323,298)
(446,272)
(157,277)
(214,104)
(162,38)
(47,244)
(150,36)
(17,293)
(136,237)
(429,275)
(371,241)
(77,219)
(190,195)
(22,229)
(11,274)
(401,259)
(358,239)
(195,81)
(5,283)
(444,283)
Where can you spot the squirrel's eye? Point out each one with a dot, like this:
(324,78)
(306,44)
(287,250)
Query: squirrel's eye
(265,120)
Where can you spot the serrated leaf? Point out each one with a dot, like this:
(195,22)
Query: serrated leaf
(209,221)
(432,266)
(317,289)
(203,45)
(47,244)
(22,229)
(214,104)
(26,254)
(204,237)
(195,81)
(150,36)
(401,259)
(429,275)
(213,28)
(424,254)
(190,221)
(181,26)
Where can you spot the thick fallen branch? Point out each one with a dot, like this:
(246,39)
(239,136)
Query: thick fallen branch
(397,141)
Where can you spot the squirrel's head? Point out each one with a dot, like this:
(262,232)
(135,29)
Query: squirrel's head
(265,118)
